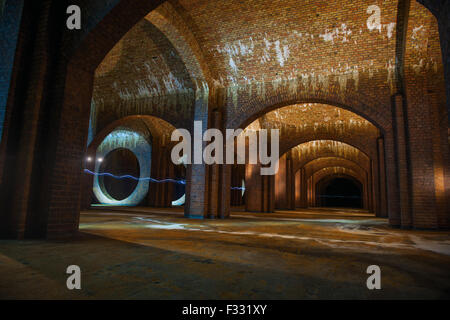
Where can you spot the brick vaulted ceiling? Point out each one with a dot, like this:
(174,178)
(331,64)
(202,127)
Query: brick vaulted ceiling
(254,46)
(313,121)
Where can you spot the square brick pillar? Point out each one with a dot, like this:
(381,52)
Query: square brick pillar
(366,192)
(10,24)
(401,161)
(298,183)
(260,193)
(46,138)
(197,182)
(374,185)
(154,189)
(160,193)
(382,204)
(310,191)
(219,179)
(285,184)
(303,189)
(225,191)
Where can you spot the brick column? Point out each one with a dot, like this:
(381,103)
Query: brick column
(10,43)
(285,184)
(260,193)
(401,161)
(366,192)
(303,189)
(87,183)
(290,183)
(441,159)
(383,210)
(310,188)
(154,190)
(298,183)
(196,205)
(160,193)
(225,191)
(17,182)
(214,174)
(374,184)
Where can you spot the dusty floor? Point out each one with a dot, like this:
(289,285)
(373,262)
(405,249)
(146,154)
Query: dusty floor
(142,253)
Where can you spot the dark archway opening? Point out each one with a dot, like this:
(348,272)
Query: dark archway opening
(340,192)
(120,162)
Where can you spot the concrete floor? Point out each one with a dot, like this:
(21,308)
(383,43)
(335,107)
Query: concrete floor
(142,253)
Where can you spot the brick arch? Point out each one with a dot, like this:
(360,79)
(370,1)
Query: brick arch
(339,172)
(320,163)
(332,172)
(329,150)
(432,6)
(180,51)
(108,22)
(347,175)
(172,25)
(137,144)
(251,110)
(335,171)
(72,91)
(71,100)
(152,129)
(136,123)
(355,143)
(105,24)
(311,125)
(123,87)
(381,120)
(343,165)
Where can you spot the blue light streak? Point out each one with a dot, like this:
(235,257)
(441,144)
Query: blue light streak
(133,178)
(127,176)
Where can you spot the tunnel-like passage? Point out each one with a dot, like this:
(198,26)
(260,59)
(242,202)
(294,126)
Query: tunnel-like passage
(339,192)
(317,142)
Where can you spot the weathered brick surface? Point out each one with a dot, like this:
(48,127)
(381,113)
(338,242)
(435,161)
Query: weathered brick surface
(228,63)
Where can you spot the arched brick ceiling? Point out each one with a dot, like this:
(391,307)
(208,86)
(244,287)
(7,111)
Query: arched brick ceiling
(312,150)
(142,64)
(151,128)
(266,40)
(277,40)
(326,162)
(313,121)
(257,48)
(329,41)
(143,74)
(318,116)
(175,27)
(337,171)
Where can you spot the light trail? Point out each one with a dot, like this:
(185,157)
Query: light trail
(127,176)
